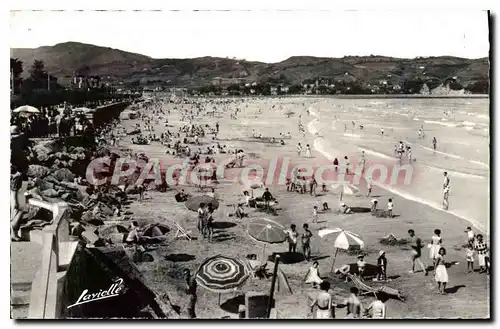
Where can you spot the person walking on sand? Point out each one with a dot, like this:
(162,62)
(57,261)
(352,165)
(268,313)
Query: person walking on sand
(308,151)
(191,287)
(299,149)
(434,143)
(441,275)
(312,186)
(437,240)
(381,132)
(446,191)
(369,186)
(416,252)
(306,242)
(312,275)
(336,164)
(323,301)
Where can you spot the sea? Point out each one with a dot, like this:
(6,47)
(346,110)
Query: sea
(460,125)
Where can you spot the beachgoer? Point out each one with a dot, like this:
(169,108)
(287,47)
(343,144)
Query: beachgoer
(434,143)
(377,309)
(416,252)
(308,151)
(353,304)
(446,194)
(268,197)
(336,164)
(369,186)
(374,203)
(191,287)
(345,209)
(361,266)
(323,301)
(292,238)
(390,207)
(306,242)
(382,132)
(381,266)
(437,240)
(312,186)
(299,149)
(469,255)
(208,222)
(315,214)
(201,216)
(441,276)
(471,237)
(312,275)
(482,252)
(133,235)
(347,165)
(15,185)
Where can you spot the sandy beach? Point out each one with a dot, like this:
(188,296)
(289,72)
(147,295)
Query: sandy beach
(463,151)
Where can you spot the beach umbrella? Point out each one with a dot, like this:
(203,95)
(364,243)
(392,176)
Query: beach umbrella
(266,231)
(26,109)
(345,189)
(221,274)
(254,186)
(344,239)
(194,202)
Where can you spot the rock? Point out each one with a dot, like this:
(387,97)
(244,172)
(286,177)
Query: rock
(37,171)
(49,193)
(64,174)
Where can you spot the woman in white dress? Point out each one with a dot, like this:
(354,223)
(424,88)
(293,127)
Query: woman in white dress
(441,276)
(437,240)
(312,275)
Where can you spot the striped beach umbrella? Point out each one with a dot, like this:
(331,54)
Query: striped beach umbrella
(345,189)
(344,239)
(221,274)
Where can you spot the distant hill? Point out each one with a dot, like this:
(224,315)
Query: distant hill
(63,59)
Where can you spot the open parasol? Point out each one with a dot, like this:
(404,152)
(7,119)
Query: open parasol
(266,231)
(26,109)
(345,189)
(344,239)
(221,274)
(194,203)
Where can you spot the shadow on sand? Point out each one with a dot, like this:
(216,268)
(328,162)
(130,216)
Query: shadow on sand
(179,257)
(287,257)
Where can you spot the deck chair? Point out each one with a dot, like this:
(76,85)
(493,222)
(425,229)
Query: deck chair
(181,233)
(366,290)
(254,267)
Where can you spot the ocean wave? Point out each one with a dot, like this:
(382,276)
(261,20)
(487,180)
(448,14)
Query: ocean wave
(447,124)
(319,146)
(432,204)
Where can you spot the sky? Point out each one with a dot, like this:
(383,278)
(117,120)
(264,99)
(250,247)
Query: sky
(268,36)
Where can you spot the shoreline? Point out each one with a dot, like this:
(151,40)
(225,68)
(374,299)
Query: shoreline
(403,194)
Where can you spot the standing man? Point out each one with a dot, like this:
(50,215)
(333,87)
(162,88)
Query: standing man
(434,143)
(191,287)
(299,149)
(446,191)
(306,242)
(482,254)
(325,308)
(416,245)
(217,126)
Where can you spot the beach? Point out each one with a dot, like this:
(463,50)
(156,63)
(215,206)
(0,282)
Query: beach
(463,151)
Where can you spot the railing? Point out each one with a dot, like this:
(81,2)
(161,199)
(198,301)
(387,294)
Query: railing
(44,289)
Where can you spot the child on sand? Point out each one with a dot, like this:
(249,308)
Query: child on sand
(390,206)
(312,275)
(441,276)
(469,255)
(361,266)
(315,214)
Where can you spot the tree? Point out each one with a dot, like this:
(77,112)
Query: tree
(16,68)
(38,76)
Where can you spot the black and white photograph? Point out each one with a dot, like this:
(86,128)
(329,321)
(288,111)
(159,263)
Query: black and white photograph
(260,164)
